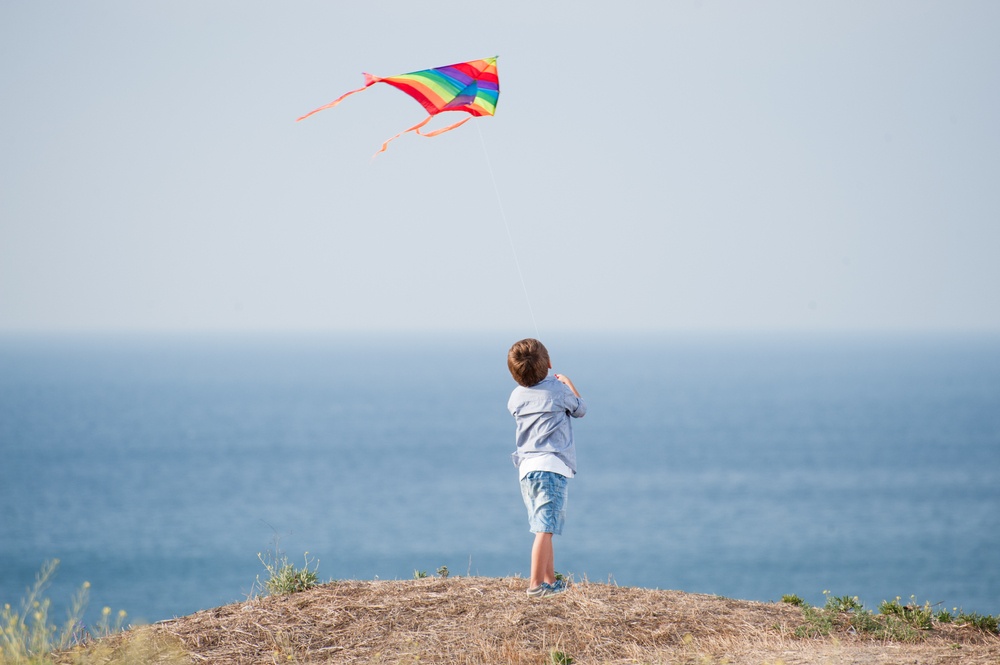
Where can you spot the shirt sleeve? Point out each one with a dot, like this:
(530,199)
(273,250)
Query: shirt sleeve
(575,406)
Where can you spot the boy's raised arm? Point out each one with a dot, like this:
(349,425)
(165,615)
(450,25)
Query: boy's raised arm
(562,378)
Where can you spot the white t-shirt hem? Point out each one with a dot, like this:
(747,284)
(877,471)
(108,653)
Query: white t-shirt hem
(544,463)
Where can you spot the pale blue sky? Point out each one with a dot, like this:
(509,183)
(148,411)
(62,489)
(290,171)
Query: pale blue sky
(661,166)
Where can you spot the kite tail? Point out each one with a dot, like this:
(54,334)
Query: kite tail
(369,80)
(445,129)
(415,128)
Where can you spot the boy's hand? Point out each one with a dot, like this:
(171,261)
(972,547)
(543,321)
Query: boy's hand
(562,378)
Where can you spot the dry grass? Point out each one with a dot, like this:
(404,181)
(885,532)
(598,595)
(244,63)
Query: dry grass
(487,621)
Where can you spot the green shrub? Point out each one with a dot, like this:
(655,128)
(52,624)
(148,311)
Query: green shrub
(819,623)
(984,622)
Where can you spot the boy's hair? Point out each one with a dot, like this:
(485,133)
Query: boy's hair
(528,362)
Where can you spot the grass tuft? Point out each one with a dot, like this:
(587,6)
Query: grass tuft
(283,577)
(27,634)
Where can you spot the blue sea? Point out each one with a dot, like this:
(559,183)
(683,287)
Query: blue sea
(157,468)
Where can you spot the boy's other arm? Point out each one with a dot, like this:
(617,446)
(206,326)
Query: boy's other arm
(562,378)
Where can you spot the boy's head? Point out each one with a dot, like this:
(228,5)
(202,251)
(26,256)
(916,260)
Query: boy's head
(528,362)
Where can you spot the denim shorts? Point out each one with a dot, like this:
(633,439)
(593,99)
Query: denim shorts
(544,494)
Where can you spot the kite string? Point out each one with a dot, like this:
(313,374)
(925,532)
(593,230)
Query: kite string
(510,238)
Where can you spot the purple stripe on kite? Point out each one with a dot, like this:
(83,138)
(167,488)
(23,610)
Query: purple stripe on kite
(456,75)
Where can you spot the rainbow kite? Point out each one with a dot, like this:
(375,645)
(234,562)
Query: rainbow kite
(471,86)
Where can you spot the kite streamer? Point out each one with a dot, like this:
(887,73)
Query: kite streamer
(472,87)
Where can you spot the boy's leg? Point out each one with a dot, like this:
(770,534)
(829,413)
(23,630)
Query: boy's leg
(544,496)
(542,561)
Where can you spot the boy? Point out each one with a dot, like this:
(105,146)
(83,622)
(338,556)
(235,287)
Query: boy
(545,455)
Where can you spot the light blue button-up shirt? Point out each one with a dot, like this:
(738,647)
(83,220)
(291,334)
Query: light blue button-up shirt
(542,415)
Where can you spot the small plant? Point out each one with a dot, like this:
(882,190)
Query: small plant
(885,627)
(921,617)
(283,577)
(842,603)
(419,574)
(443,571)
(794,600)
(560,658)
(866,622)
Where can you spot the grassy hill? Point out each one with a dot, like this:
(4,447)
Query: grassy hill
(489,621)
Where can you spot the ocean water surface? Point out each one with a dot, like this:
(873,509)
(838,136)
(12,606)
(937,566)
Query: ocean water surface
(158,467)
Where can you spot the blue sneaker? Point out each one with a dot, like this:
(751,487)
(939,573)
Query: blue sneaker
(544,590)
(539,591)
